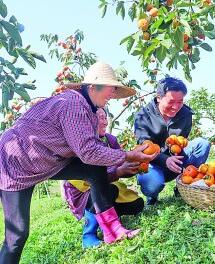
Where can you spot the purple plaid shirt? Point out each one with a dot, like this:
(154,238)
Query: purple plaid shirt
(44,139)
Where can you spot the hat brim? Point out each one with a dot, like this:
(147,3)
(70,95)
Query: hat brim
(120,92)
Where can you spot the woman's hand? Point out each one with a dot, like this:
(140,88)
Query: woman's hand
(138,155)
(127,169)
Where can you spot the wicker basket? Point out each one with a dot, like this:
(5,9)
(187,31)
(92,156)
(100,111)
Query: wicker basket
(196,196)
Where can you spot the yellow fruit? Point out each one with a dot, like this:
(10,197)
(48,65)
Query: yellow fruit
(146,36)
(186,179)
(175,149)
(149,7)
(143,24)
(153,12)
(181,141)
(203,168)
(169,2)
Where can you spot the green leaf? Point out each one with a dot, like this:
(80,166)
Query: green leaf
(179,38)
(186,25)
(122,12)
(210,35)
(3,37)
(120,9)
(209,26)
(156,24)
(21,71)
(130,43)
(196,51)
(37,56)
(3,125)
(27,57)
(149,50)
(20,90)
(170,16)
(116,123)
(29,86)
(206,46)
(192,65)
(13,20)
(161,52)
(12,31)
(104,10)
(5,95)
(11,45)
(183,60)
(165,25)
(10,65)
(125,39)
(195,56)
(182,3)
(166,43)
(188,76)
(3,9)
(132,12)
(137,52)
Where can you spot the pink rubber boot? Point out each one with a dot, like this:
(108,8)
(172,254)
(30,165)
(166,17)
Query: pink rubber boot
(112,228)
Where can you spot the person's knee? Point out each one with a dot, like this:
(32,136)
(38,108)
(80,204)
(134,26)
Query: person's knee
(150,186)
(18,241)
(203,144)
(153,188)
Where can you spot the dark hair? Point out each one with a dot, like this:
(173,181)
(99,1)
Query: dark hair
(170,84)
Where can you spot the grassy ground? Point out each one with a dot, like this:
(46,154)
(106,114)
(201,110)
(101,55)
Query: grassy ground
(172,232)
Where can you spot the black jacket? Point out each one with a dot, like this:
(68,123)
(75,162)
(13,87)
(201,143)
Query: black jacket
(149,124)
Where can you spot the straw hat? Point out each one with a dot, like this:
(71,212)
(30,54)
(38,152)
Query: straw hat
(102,74)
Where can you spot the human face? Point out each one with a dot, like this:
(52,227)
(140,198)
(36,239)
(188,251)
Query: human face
(100,97)
(170,103)
(102,122)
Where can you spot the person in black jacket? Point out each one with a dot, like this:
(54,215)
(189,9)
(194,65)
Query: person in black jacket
(167,115)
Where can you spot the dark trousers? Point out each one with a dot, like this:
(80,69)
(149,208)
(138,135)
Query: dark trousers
(129,208)
(16,206)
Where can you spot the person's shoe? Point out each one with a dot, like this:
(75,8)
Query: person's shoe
(89,238)
(151,201)
(112,228)
(176,192)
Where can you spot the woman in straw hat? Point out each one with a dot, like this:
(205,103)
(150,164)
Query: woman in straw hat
(57,138)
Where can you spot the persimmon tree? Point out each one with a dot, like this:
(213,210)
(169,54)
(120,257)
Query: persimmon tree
(75,61)
(12,48)
(203,104)
(169,32)
(68,51)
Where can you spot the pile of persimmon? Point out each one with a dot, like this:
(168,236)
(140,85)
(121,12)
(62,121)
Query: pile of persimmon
(205,172)
(176,144)
(152,148)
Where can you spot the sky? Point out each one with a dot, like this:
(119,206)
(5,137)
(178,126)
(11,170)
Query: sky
(102,37)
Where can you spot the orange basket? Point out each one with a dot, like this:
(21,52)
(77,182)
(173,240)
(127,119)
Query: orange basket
(197,196)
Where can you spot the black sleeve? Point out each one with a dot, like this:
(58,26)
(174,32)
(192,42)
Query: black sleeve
(141,129)
(160,160)
(188,127)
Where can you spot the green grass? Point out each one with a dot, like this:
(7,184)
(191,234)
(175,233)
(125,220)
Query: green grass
(172,232)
